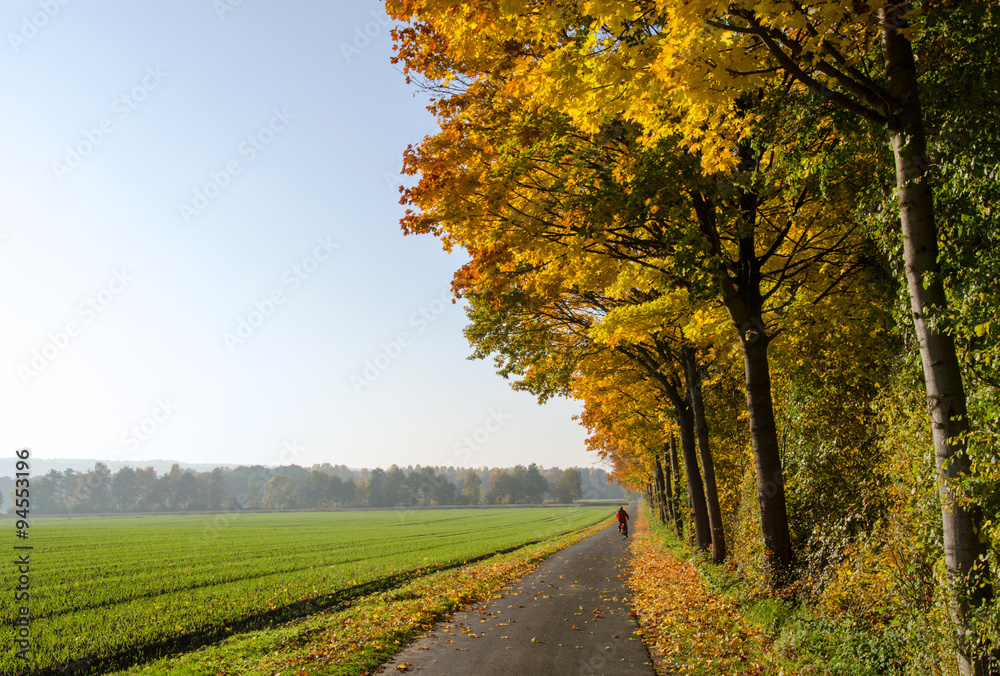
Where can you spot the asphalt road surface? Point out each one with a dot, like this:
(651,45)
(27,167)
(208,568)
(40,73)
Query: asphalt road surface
(570,617)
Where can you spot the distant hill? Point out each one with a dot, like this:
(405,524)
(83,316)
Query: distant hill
(41,466)
(150,486)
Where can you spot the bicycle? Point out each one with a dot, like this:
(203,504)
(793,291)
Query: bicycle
(623,529)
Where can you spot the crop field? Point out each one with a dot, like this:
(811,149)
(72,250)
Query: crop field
(114,591)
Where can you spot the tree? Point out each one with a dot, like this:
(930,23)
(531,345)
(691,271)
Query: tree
(471,488)
(343,493)
(281,492)
(124,492)
(375,488)
(442,491)
(397,489)
(533,485)
(216,489)
(427,488)
(149,489)
(77,492)
(569,486)
(501,489)
(523,190)
(50,492)
(253,500)
(98,488)
(317,489)
(180,488)
(672,363)
(687,69)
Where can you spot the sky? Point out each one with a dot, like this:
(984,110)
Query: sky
(200,252)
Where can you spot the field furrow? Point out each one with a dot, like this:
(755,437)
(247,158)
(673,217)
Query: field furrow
(109,590)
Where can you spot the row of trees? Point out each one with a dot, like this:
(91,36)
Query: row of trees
(759,241)
(319,487)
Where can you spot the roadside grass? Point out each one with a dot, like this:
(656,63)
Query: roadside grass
(357,638)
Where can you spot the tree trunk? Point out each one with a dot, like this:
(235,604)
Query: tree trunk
(675,499)
(740,280)
(696,492)
(745,307)
(705,452)
(661,489)
(767,459)
(668,484)
(946,401)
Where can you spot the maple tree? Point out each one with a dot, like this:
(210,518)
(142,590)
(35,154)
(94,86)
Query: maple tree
(620,152)
(499,180)
(671,361)
(691,70)
(497,256)
(561,346)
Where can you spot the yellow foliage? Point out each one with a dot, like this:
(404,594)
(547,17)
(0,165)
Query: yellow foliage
(688,628)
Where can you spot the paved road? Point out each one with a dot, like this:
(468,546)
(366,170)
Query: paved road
(570,617)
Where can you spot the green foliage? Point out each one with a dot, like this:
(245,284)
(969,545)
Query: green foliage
(966,163)
(569,487)
(826,399)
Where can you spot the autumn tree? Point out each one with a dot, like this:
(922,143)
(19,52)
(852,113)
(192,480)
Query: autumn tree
(565,346)
(691,69)
(471,488)
(281,492)
(500,490)
(501,178)
(569,486)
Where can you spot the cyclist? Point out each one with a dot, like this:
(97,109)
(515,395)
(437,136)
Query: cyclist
(622,521)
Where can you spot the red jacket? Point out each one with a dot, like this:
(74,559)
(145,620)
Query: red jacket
(622,516)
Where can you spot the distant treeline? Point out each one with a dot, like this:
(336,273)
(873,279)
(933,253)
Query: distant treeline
(323,486)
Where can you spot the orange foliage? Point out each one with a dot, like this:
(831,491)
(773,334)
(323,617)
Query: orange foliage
(688,628)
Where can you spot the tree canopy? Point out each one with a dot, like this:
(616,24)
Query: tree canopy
(672,206)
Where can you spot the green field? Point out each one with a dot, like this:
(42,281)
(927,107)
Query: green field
(116,590)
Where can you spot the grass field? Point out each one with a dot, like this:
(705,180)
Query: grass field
(115,591)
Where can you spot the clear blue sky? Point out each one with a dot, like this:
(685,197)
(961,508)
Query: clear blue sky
(200,251)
